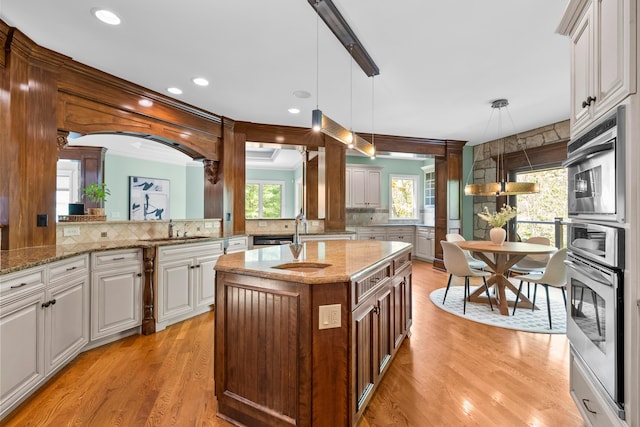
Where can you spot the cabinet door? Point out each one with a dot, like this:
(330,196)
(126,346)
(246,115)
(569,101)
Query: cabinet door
(364,330)
(614,69)
(384,314)
(66,320)
(422,244)
(22,332)
(116,301)
(372,188)
(175,293)
(358,194)
(205,281)
(582,60)
(348,183)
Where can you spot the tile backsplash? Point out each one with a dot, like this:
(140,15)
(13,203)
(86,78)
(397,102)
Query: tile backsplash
(85,232)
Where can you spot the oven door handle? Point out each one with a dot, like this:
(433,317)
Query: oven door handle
(588,152)
(592,273)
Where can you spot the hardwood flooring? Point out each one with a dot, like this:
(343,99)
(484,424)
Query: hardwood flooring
(451,372)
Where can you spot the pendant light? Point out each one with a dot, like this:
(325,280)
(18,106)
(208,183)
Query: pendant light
(320,122)
(501,187)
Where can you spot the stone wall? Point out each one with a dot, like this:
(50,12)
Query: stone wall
(484,167)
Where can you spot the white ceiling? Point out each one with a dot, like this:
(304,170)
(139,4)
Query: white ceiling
(441,62)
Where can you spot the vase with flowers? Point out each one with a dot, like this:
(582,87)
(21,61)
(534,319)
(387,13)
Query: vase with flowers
(497,220)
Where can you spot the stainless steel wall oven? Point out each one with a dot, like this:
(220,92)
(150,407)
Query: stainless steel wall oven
(596,172)
(595,321)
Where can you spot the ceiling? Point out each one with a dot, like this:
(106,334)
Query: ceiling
(441,62)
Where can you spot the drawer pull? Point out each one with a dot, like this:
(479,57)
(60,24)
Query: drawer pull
(48,303)
(118,259)
(18,286)
(585,402)
(72,268)
(192,267)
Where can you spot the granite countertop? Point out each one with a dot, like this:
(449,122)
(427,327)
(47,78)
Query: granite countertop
(20,259)
(291,232)
(345,258)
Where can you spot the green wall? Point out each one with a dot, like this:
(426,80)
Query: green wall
(394,166)
(186,186)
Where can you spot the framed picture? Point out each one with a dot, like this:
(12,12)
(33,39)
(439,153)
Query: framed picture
(148,198)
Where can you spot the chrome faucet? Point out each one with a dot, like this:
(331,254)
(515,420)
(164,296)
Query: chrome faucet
(296,246)
(171,224)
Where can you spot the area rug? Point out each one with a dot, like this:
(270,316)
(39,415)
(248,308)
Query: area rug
(524,319)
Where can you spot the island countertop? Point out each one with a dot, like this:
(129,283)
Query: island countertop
(345,258)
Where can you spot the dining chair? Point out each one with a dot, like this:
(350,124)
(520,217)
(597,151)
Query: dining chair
(473,262)
(455,261)
(553,275)
(532,263)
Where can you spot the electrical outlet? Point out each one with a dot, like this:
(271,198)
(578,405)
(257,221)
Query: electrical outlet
(103,234)
(314,223)
(262,223)
(208,224)
(329,316)
(71,231)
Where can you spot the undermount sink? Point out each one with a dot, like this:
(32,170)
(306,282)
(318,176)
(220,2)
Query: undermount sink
(302,267)
(174,239)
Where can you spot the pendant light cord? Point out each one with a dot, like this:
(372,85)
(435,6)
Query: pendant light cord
(317,56)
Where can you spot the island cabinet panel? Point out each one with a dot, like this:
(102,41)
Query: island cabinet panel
(276,361)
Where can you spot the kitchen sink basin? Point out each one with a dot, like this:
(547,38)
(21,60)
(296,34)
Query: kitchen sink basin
(302,267)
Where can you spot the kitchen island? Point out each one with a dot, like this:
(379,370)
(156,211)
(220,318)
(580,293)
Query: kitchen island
(306,342)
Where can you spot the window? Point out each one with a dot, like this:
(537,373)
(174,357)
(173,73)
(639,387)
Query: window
(403,196)
(536,212)
(263,199)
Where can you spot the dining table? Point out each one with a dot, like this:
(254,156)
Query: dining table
(500,258)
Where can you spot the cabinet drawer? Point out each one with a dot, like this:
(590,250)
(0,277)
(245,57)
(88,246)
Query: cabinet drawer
(237,244)
(19,281)
(367,284)
(401,261)
(192,249)
(590,403)
(109,258)
(62,269)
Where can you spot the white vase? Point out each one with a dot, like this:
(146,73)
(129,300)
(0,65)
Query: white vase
(497,235)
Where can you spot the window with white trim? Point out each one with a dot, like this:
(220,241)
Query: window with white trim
(263,199)
(403,196)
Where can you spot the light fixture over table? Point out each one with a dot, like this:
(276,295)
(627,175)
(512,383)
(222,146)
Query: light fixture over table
(320,121)
(502,186)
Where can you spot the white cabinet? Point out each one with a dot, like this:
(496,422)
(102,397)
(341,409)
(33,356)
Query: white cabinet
(363,186)
(44,323)
(320,237)
(116,292)
(371,233)
(424,247)
(236,244)
(186,280)
(401,234)
(603,57)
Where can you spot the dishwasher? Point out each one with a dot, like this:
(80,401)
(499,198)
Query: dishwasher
(271,240)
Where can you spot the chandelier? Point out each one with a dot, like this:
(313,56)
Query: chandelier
(502,186)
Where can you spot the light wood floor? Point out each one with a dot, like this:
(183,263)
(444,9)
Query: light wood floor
(451,372)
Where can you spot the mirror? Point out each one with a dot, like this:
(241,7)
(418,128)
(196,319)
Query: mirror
(278,178)
(133,156)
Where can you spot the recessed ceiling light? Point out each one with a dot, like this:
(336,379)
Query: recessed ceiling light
(174,90)
(106,16)
(200,81)
(301,94)
(145,103)
(294,110)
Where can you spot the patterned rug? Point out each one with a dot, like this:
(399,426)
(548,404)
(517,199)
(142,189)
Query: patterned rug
(524,319)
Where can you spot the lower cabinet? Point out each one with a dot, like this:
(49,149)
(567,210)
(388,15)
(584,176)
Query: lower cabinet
(186,280)
(316,237)
(44,323)
(116,292)
(424,243)
(380,322)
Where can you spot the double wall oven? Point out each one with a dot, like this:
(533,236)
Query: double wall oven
(595,256)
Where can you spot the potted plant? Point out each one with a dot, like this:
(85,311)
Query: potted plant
(497,220)
(97,193)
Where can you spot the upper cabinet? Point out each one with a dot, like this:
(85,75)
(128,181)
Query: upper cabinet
(363,186)
(603,56)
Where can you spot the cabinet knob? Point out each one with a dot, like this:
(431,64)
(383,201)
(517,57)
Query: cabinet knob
(192,267)
(588,101)
(376,309)
(139,274)
(53,301)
